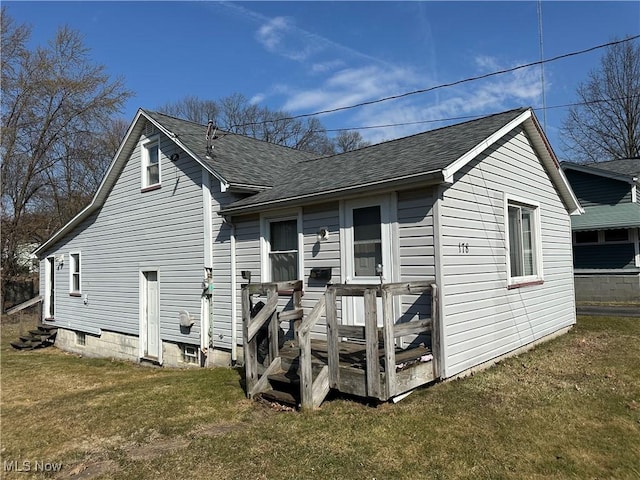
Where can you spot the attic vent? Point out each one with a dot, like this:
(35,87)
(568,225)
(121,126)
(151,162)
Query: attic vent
(149,129)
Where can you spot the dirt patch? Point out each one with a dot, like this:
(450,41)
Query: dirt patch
(156,449)
(90,470)
(217,430)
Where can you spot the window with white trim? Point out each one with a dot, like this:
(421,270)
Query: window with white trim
(151,163)
(524,260)
(282,248)
(74,273)
(593,237)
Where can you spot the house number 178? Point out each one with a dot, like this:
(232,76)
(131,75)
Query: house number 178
(463,247)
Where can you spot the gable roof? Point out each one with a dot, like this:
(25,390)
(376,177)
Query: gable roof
(625,170)
(430,157)
(625,166)
(236,160)
(283,175)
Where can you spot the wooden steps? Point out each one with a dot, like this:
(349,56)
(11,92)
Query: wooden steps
(41,337)
(285,388)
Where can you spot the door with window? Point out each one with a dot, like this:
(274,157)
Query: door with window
(367,236)
(151,314)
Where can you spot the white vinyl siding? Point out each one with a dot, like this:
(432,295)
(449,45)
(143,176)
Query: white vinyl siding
(483,317)
(320,254)
(416,249)
(132,230)
(222,291)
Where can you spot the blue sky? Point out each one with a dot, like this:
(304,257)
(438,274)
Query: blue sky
(310,56)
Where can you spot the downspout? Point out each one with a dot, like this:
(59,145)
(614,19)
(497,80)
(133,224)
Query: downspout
(234,298)
(206,302)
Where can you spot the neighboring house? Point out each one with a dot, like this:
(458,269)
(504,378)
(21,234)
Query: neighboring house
(606,239)
(185,216)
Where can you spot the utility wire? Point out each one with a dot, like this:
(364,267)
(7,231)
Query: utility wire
(544,108)
(437,87)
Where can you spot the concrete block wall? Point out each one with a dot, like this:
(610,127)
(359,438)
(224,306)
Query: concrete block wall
(106,345)
(118,346)
(607,287)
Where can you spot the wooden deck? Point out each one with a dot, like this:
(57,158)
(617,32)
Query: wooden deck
(414,366)
(350,359)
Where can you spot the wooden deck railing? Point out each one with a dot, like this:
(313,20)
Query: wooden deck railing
(251,326)
(381,385)
(373,335)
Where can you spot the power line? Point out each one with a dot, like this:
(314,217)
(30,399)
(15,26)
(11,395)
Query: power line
(544,108)
(444,85)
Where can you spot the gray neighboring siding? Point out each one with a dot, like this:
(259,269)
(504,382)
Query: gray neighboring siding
(593,190)
(162,228)
(483,318)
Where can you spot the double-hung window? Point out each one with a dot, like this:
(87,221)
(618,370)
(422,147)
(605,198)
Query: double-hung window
(151,163)
(524,260)
(74,273)
(283,250)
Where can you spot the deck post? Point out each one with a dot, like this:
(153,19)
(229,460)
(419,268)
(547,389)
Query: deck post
(389,343)
(304,339)
(273,326)
(250,346)
(333,345)
(371,340)
(435,331)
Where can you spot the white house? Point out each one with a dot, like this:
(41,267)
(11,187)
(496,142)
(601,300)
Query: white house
(152,269)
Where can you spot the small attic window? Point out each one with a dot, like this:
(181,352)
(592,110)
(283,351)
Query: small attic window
(150,153)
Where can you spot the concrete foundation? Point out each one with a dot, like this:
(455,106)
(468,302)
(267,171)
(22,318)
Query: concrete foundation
(607,287)
(121,346)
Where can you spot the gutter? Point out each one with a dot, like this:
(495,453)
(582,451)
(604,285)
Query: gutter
(434,177)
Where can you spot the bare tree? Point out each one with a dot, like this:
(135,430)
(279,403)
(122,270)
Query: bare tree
(56,140)
(606,123)
(348,140)
(235,113)
(192,109)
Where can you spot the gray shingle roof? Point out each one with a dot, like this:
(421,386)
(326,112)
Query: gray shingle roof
(239,160)
(626,166)
(418,154)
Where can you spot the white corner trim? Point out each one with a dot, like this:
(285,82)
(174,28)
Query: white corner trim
(208,220)
(438,198)
(454,167)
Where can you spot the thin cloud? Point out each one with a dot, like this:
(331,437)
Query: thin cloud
(324,67)
(350,85)
(302,40)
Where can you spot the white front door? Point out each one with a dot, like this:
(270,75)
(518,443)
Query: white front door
(50,288)
(151,308)
(367,236)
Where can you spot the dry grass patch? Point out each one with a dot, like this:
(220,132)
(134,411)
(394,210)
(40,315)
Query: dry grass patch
(568,409)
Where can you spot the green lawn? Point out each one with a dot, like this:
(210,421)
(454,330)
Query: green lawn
(568,409)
